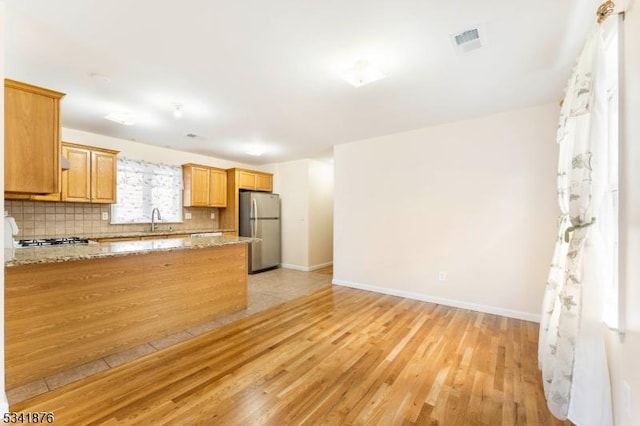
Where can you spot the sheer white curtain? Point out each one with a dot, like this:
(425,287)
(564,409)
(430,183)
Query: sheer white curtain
(571,347)
(143,186)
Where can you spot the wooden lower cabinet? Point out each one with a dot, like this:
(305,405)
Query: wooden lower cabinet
(164,236)
(116,239)
(62,315)
(140,237)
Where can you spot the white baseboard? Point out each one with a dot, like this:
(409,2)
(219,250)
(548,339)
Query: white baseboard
(306,268)
(442,301)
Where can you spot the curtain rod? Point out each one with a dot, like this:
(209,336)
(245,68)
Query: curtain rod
(602,13)
(605,10)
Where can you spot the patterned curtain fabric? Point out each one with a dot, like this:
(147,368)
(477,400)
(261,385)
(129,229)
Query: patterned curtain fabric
(143,186)
(570,329)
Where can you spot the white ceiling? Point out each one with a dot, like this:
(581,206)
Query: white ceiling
(267,72)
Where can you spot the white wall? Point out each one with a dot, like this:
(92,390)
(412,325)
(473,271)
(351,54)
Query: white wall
(305,187)
(4,405)
(306,193)
(475,199)
(151,153)
(320,213)
(623,355)
(292,183)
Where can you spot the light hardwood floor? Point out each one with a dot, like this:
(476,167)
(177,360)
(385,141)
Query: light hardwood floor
(337,356)
(265,290)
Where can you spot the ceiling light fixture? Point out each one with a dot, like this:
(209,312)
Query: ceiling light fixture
(177,110)
(361,73)
(256,151)
(121,117)
(100,78)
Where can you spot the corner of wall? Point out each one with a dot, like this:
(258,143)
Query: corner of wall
(4,404)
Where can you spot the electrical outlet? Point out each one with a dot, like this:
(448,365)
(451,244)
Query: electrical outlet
(213,215)
(626,391)
(442,276)
(187,216)
(105,216)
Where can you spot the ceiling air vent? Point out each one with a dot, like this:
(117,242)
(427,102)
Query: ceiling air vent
(467,41)
(195,137)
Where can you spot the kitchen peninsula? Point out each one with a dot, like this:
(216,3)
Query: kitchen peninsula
(69,305)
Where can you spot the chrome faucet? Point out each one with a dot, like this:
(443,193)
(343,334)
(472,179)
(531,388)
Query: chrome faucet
(153,219)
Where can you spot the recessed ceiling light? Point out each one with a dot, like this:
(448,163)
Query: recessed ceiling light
(256,151)
(100,78)
(177,110)
(121,117)
(362,73)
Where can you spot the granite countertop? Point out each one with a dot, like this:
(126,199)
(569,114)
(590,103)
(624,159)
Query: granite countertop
(63,253)
(139,233)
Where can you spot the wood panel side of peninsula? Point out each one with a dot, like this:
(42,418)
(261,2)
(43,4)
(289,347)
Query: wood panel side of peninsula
(62,315)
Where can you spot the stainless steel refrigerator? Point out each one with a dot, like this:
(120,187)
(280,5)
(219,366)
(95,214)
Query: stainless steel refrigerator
(260,218)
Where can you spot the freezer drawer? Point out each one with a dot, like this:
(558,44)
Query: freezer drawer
(265,253)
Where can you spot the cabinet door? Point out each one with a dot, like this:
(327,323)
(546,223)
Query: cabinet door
(76,182)
(217,188)
(103,177)
(199,186)
(246,180)
(32,140)
(264,182)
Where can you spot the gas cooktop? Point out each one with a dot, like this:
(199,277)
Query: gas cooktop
(52,242)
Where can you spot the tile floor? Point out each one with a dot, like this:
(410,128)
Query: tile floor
(265,290)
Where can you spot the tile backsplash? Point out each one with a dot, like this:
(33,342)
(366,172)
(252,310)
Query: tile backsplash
(38,219)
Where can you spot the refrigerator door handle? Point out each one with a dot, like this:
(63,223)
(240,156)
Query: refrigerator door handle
(254,207)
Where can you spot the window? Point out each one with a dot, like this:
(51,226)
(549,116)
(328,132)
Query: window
(143,186)
(609,208)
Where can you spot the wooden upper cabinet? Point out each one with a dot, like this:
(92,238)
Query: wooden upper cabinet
(237,180)
(103,176)
(264,182)
(217,188)
(246,180)
(76,182)
(199,186)
(255,181)
(204,186)
(91,177)
(31,139)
